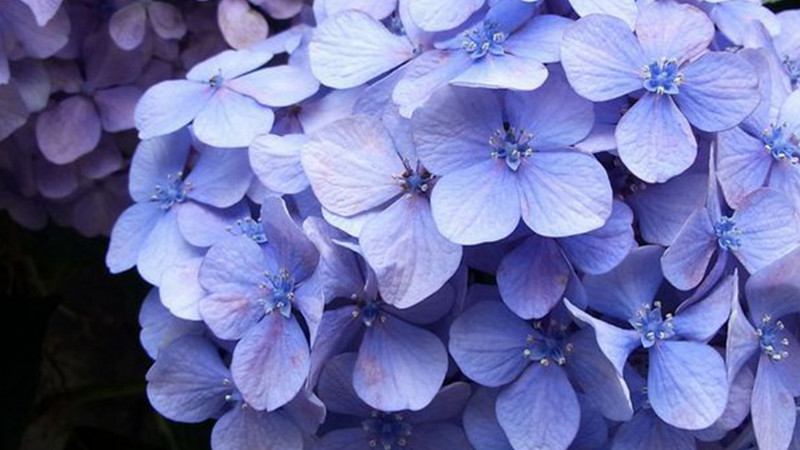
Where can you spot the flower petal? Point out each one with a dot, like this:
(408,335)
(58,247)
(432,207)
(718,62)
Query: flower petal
(169,106)
(769,229)
(55,130)
(672,30)
(229,119)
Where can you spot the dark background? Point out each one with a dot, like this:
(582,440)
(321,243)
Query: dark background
(72,370)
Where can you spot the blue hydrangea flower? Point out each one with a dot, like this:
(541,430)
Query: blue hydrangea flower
(400,364)
(252,292)
(438,15)
(369,428)
(495,348)
(169,201)
(786,45)
(687,384)
(533,276)
(355,169)
(511,161)
(160,328)
(677,82)
(190,383)
(763,335)
(226,97)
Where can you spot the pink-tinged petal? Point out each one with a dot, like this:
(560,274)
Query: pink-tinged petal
(487,342)
(622,9)
(244,427)
(438,15)
(540,409)
(452,130)
(551,127)
(166,19)
(563,193)
(276,162)
(13,111)
(117,106)
(180,290)
(685,261)
(773,290)
(654,139)
(539,39)
(55,130)
(241,25)
(277,86)
(662,209)
(410,258)
(532,278)
(169,106)
(271,362)
(44,10)
(351,48)
(55,181)
(163,248)
(621,292)
(230,119)
(672,30)
(773,409)
(734,95)
(155,160)
(230,315)
(426,75)
(399,366)
(229,64)
(769,229)
(701,320)
(742,164)
(493,211)
(687,384)
(129,235)
(600,250)
(127,26)
(602,58)
(503,72)
(350,164)
(615,343)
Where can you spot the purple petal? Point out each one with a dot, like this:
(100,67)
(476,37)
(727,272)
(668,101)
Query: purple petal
(438,436)
(54,181)
(622,9)
(503,72)
(773,409)
(277,86)
(229,119)
(169,106)
(601,250)
(410,258)
(602,58)
(438,15)
(399,366)
(230,64)
(742,341)
(351,48)
(44,10)
(336,389)
(37,41)
(155,160)
(685,261)
(55,130)
(647,432)
(540,406)
(244,427)
(532,277)
(551,127)
(452,129)
(181,291)
(293,250)
(204,226)
(13,111)
(480,422)
(448,404)
(337,330)
(772,291)
(127,26)
(734,95)
(276,162)
(737,410)
(742,165)
(166,19)
(271,362)
(117,106)
(343,439)
(487,342)
(220,177)
(671,30)
(769,229)
(652,124)
(129,235)
(425,75)
(687,384)
(350,164)
(160,328)
(187,381)
(164,247)
(539,39)
(702,320)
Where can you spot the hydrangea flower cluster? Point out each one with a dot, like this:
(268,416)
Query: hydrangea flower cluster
(419,224)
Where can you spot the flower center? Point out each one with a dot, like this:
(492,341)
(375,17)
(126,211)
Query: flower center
(781,145)
(793,67)
(281,292)
(662,76)
(550,346)
(216,81)
(369,311)
(484,39)
(511,145)
(172,192)
(234,396)
(250,228)
(415,180)
(771,338)
(386,431)
(728,234)
(651,325)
